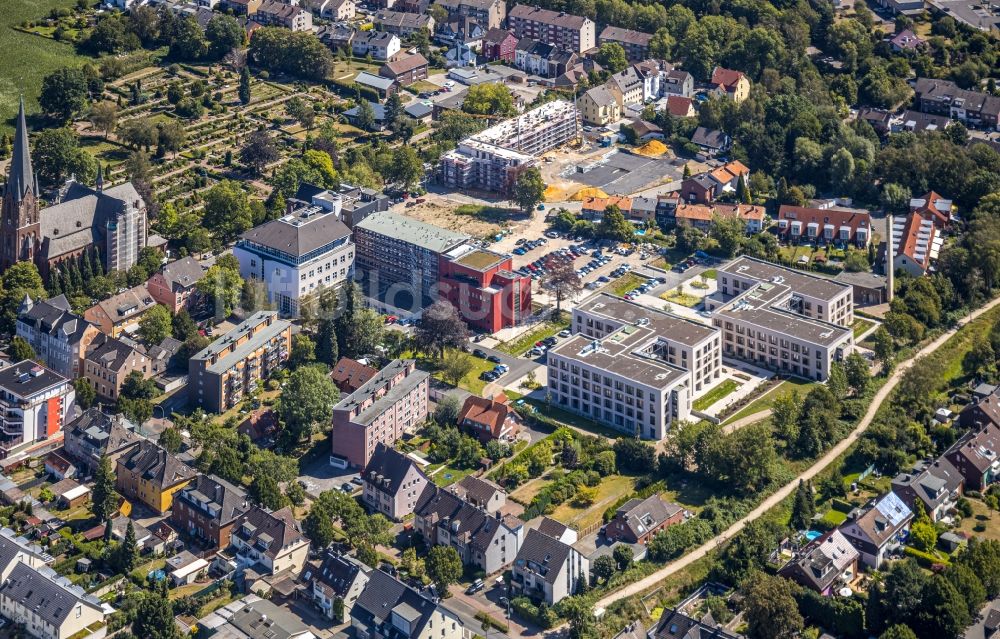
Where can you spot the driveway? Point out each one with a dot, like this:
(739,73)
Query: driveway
(319,476)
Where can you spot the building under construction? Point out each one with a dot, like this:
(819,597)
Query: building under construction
(492,159)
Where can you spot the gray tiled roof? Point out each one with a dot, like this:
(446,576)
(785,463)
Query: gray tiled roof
(183,273)
(54,317)
(229,501)
(389,464)
(542,555)
(297,234)
(41,594)
(280,526)
(157,465)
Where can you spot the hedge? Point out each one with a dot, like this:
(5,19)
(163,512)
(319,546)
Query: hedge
(841,617)
(925,559)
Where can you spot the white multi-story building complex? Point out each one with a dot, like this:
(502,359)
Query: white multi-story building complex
(492,159)
(633,368)
(783,319)
(299,254)
(35,404)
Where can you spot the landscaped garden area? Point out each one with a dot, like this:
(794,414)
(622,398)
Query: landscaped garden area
(528,339)
(727,387)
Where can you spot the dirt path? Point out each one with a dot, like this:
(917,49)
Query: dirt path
(786,490)
(746,421)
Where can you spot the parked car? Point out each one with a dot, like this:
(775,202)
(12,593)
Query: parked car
(494,358)
(479,353)
(564,333)
(475,587)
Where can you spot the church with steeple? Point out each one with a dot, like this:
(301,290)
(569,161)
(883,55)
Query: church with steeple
(80,219)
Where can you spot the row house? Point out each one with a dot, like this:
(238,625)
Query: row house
(402,24)
(916,243)
(932,205)
(838,227)
(499,45)
(542,59)
(273,13)
(944,97)
(975,456)
(207,508)
(57,335)
(335,10)
(175,285)
(388,608)
(701,216)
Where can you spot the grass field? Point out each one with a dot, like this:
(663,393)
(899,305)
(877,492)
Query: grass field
(608,491)
(684,299)
(527,340)
(782,390)
(28,58)
(624,284)
(716,394)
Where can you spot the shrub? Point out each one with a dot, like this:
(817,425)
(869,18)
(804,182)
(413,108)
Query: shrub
(925,559)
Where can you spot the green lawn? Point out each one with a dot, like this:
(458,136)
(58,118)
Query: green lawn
(624,284)
(784,389)
(834,518)
(725,388)
(861,325)
(684,299)
(527,340)
(572,419)
(449,475)
(608,492)
(28,58)
(710,274)
(470,382)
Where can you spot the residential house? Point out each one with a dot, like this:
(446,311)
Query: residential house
(878,529)
(934,206)
(628,86)
(916,243)
(677,82)
(121,313)
(57,335)
(207,508)
(334,10)
(905,41)
(339,576)
(241,7)
(18,550)
(704,188)
(562,29)
(701,216)
(269,542)
(273,13)
(635,43)
(542,59)
(109,361)
(937,485)
(839,227)
(975,455)
(547,569)
(488,14)
(349,375)
(599,106)
(405,71)
(464,33)
(637,520)
(944,97)
(392,483)
(644,131)
(825,565)
(488,542)
(403,24)
(499,45)
(338,37)
(353,116)
(879,119)
(380,45)
(35,403)
(94,435)
(48,606)
(481,493)
(391,403)
(489,419)
(254,618)
(732,84)
(676,624)
(174,285)
(712,142)
(680,107)
(151,475)
(388,608)
(381,86)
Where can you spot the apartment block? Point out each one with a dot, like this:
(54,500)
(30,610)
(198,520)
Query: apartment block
(783,319)
(35,405)
(299,254)
(915,243)
(380,411)
(398,258)
(488,14)
(944,97)
(484,288)
(492,159)
(632,368)
(57,335)
(576,33)
(220,374)
(635,43)
(278,14)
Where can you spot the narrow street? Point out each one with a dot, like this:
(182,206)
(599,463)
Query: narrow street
(786,490)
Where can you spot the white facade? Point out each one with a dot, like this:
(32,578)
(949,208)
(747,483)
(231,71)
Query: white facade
(35,404)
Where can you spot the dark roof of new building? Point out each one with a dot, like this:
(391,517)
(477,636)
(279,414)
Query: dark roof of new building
(709,138)
(674,624)
(299,232)
(27,378)
(266,620)
(157,465)
(279,526)
(542,555)
(388,467)
(227,500)
(465,522)
(183,273)
(40,593)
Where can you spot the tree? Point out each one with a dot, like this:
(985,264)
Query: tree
(136,386)
(623,556)
(661,45)
(803,508)
(64,93)
(302,111)
(227,210)
(156,324)
(300,54)
(170,440)
(969,584)
(884,349)
(258,151)
(562,281)
(266,492)
(614,226)
(189,41)
(924,535)
(155,616)
(326,342)
(170,137)
(441,327)
(57,155)
(104,117)
(366,116)
(318,525)
(447,410)
(21,350)
(943,612)
(20,280)
(529,188)
(604,567)
(221,287)
(980,361)
(898,631)
(138,133)
(898,598)
(104,500)
(308,398)
(489,99)
(244,90)
(85,393)
(729,232)
(224,33)
(771,610)
(455,365)
(837,380)
(127,553)
(858,376)
(444,566)
(612,57)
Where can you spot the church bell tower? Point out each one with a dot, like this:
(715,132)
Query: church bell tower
(19,213)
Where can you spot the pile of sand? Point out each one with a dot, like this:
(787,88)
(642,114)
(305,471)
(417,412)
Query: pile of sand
(590,191)
(652,148)
(554,193)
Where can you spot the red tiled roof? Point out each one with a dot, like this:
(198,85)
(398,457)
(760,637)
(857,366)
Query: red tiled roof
(726,78)
(490,412)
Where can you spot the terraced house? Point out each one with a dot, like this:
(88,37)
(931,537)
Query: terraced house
(208,507)
(151,475)
(57,335)
(269,542)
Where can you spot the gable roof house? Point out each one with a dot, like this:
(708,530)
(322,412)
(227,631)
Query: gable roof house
(489,542)
(95,434)
(937,485)
(825,564)
(628,86)
(403,24)
(711,141)
(934,206)
(637,520)
(877,531)
(679,106)
(349,375)
(381,86)
(499,44)
(390,609)
(975,455)
(151,475)
(489,419)
(339,576)
(50,606)
(121,313)
(405,71)
(392,483)
(207,508)
(733,84)
(109,361)
(916,243)
(57,335)
(269,542)
(704,188)
(599,106)
(547,569)
(826,226)
(481,493)
(676,624)
(174,284)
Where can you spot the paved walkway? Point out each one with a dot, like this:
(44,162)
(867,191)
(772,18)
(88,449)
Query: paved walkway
(746,421)
(786,490)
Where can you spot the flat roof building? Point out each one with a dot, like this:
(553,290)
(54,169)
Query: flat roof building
(633,368)
(35,404)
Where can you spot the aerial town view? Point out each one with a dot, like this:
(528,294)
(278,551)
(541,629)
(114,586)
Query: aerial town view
(479,319)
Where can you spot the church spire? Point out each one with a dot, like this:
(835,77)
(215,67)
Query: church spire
(21,178)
